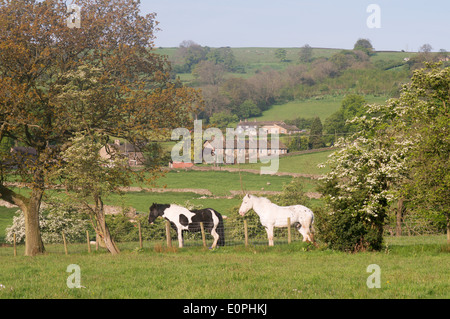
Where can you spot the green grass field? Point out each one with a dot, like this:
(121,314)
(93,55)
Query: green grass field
(321,107)
(303,163)
(411,267)
(219,183)
(6,218)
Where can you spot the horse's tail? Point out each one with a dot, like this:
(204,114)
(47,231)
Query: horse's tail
(311,226)
(220,230)
(312,230)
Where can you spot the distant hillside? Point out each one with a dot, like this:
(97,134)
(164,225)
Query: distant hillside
(255,58)
(322,107)
(287,83)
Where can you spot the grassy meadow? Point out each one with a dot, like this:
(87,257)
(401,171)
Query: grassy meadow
(302,163)
(410,268)
(322,107)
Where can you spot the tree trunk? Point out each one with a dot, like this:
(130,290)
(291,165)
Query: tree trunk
(33,240)
(398,228)
(102,229)
(30,207)
(448,228)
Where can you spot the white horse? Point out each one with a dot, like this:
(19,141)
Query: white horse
(272,215)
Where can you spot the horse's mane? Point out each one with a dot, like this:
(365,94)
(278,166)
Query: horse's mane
(160,207)
(266,200)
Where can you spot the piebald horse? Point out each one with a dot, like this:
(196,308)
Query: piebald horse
(272,215)
(182,219)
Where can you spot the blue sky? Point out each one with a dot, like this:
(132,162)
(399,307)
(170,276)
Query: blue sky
(405,25)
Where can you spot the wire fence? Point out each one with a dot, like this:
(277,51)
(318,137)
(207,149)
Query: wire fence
(161,234)
(139,234)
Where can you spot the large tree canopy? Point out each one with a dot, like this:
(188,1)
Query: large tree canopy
(401,150)
(55,81)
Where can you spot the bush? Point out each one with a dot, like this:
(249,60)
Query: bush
(348,232)
(123,229)
(53,220)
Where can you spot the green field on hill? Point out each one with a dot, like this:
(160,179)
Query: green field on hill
(255,58)
(322,107)
(376,77)
(302,163)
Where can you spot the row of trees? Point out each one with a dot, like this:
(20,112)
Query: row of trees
(191,54)
(304,56)
(398,155)
(65,92)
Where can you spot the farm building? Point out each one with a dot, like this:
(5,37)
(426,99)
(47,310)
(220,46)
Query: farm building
(251,148)
(134,155)
(269,127)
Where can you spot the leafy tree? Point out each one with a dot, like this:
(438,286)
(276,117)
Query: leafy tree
(89,178)
(214,99)
(316,134)
(364,45)
(56,81)
(335,126)
(352,105)
(247,109)
(426,48)
(347,58)
(358,190)
(209,73)
(222,120)
(237,90)
(298,143)
(401,149)
(265,88)
(305,54)
(424,56)
(191,54)
(155,156)
(225,57)
(300,122)
(425,119)
(281,54)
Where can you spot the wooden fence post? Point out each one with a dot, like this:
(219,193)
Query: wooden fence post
(289,229)
(65,243)
(140,234)
(169,239)
(15,248)
(202,228)
(88,241)
(246,232)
